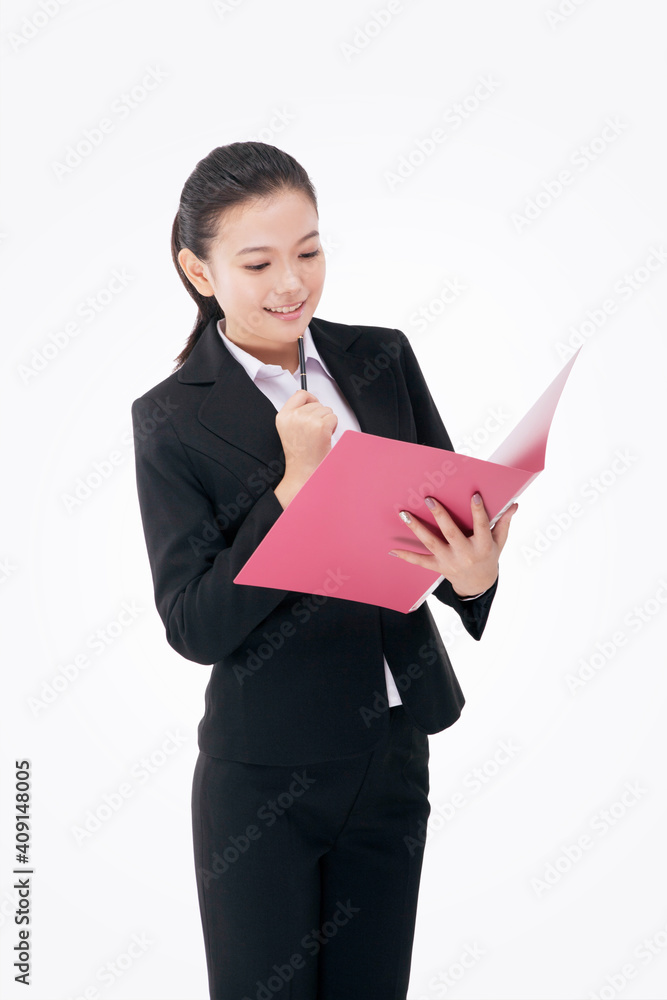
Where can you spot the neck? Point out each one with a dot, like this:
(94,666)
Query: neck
(285,355)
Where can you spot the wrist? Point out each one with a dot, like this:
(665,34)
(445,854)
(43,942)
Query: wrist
(472,596)
(287,488)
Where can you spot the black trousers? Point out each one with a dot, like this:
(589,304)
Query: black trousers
(308,875)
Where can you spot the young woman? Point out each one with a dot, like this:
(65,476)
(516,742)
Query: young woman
(310,791)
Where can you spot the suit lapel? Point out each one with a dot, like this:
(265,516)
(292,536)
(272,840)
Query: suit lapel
(237,410)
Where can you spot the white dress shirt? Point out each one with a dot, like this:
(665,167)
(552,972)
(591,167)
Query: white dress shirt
(278,384)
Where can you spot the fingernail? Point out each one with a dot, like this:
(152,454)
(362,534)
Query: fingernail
(430,502)
(406,517)
(476,498)
(394,554)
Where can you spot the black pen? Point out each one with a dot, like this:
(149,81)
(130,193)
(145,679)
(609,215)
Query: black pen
(302,364)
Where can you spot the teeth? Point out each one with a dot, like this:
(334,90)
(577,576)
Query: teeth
(285,309)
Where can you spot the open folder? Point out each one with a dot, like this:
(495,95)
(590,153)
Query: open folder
(334,537)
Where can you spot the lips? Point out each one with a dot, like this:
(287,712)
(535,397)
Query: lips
(285,310)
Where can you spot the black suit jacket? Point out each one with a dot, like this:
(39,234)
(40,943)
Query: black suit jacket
(297,678)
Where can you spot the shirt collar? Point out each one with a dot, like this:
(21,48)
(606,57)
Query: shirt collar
(256,369)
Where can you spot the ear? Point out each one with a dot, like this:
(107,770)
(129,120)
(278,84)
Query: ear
(195,271)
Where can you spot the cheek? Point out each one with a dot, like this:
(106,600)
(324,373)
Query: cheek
(250,288)
(318,274)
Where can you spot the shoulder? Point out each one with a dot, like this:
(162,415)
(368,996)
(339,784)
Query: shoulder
(360,338)
(162,400)
(161,389)
(360,329)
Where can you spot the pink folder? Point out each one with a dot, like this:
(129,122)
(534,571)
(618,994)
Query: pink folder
(334,537)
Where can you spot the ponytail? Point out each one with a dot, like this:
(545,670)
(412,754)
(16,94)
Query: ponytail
(208,306)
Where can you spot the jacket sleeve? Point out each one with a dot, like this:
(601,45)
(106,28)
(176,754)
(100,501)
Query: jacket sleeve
(431,432)
(205,614)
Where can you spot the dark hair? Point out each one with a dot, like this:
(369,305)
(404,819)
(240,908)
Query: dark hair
(229,176)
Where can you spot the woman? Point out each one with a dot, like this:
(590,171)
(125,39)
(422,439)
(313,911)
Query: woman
(310,791)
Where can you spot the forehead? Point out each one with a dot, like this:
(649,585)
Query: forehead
(281,217)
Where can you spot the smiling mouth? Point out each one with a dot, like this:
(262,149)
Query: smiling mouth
(285,309)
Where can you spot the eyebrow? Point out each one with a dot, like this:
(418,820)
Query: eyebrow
(303,239)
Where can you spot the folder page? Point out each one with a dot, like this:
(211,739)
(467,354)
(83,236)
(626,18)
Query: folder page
(334,537)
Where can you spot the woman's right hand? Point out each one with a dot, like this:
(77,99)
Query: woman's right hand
(305,427)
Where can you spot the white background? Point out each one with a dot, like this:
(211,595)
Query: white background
(352,99)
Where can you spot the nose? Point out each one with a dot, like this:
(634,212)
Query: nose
(287,281)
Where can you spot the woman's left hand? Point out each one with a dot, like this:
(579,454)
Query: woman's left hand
(470,564)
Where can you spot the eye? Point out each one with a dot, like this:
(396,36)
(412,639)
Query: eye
(260,267)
